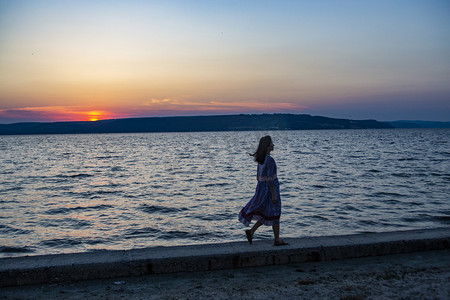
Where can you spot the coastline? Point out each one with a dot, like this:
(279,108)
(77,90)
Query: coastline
(418,275)
(242,122)
(60,268)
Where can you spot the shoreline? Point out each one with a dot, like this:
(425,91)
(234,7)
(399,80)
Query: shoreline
(61,268)
(419,275)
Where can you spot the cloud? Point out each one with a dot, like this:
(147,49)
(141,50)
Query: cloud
(180,107)
(156,102)
(53,114)
(149,108)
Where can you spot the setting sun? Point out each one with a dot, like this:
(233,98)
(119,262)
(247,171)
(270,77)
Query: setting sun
(94,116)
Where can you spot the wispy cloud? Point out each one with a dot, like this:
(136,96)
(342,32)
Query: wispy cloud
(149,108)
(177,106)
(53,114)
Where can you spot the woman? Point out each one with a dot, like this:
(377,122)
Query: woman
(265,206)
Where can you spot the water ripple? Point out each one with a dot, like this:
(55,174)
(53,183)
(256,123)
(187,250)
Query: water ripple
(119,191)
(151,209)
(67,210)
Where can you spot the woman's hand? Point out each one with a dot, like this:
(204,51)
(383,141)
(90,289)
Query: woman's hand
(274,199)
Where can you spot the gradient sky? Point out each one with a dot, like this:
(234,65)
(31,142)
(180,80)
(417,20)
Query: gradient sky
(87,60)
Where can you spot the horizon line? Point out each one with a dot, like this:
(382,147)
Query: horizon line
(219,115)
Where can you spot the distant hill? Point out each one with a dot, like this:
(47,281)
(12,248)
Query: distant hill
(186,124)
(418,124)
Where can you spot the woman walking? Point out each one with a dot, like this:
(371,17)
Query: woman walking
(265,206)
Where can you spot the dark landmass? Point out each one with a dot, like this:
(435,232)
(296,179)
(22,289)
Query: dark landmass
(187,124)
(419,124)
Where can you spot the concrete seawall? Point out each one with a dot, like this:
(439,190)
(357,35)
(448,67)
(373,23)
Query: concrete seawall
(206,257)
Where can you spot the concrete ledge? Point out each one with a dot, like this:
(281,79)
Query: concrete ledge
(158,260)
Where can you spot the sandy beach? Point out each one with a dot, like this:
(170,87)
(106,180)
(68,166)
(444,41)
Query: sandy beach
(420,275)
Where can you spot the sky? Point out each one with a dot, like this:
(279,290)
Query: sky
(89,60)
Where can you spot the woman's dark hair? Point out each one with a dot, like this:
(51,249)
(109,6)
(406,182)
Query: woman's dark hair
(261,152)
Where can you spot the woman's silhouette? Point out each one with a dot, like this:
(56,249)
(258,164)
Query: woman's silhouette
(265,206)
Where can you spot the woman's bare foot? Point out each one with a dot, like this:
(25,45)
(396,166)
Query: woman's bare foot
(280,242)
(249,235)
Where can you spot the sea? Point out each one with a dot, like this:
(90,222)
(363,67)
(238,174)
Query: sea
(91,192)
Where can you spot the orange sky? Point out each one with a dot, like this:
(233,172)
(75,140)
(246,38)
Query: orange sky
(83,60)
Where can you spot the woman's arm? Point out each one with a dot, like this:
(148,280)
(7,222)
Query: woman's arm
(274,194)
(272,175)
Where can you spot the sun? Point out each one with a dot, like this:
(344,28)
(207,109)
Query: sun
(94,116)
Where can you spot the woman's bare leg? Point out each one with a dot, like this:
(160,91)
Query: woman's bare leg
(276,232)
(276,235)
(250,232)
(256,226)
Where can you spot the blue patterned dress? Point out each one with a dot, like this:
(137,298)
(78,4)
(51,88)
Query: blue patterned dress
(260,207)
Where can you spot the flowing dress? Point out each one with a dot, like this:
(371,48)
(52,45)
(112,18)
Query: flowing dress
(260,207)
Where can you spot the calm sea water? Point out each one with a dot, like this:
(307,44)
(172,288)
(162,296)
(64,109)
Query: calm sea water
(72,193)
